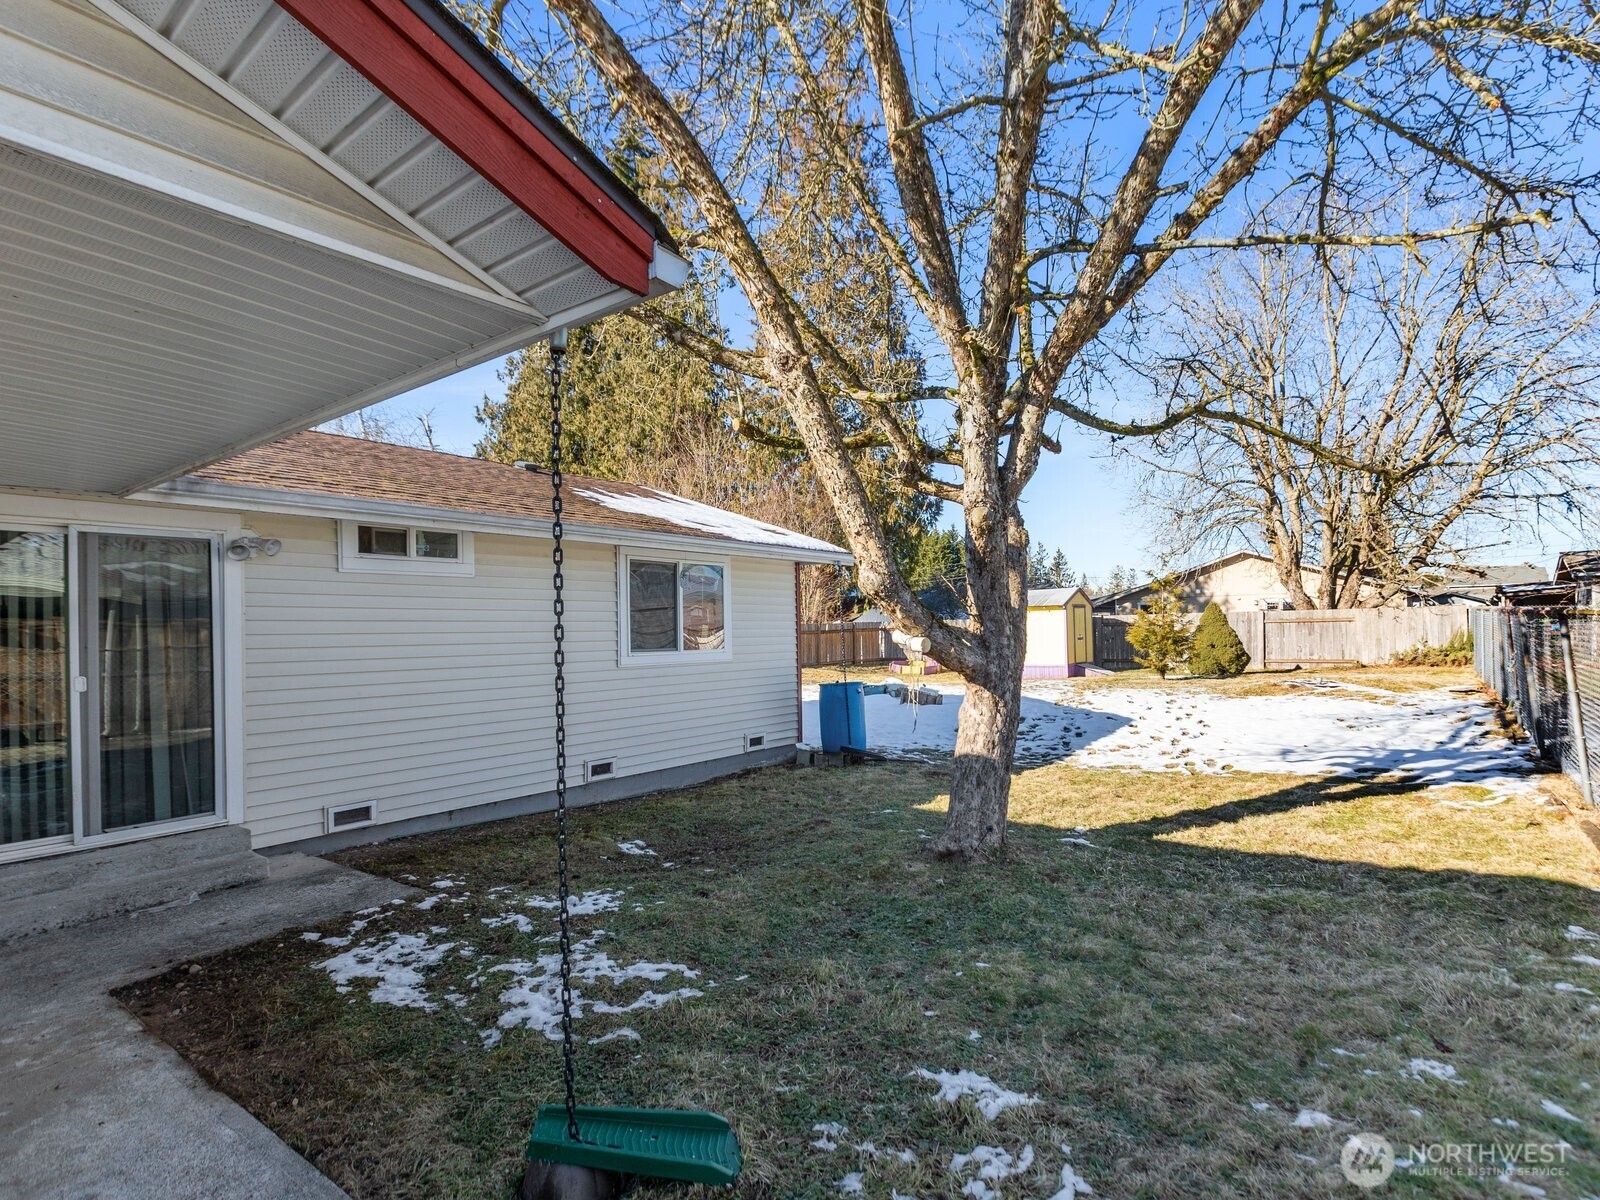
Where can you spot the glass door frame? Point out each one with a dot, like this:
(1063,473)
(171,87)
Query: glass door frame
(226,626)
(36,847)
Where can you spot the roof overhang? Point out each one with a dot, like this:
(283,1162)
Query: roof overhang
(225,220)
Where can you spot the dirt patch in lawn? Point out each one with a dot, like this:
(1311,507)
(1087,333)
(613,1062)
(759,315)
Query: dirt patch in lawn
(1201,985)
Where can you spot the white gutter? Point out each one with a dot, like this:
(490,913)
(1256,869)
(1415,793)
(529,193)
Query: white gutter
(209,493)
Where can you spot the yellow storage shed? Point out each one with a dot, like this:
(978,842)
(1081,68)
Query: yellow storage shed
(1060,633)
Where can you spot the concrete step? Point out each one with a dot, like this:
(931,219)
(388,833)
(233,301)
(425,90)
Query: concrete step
(69,889)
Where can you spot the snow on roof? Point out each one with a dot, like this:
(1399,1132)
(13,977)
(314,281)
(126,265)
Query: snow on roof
(1051,597)
(691,514)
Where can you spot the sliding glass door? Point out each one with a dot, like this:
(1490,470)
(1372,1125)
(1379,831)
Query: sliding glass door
(35,736)
(135,621)
(150,698)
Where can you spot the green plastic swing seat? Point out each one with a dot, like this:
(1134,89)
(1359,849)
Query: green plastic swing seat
(659,1143)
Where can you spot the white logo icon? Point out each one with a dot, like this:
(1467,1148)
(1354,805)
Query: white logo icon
(1367,1160)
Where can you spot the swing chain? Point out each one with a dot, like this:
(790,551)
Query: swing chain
(557,555)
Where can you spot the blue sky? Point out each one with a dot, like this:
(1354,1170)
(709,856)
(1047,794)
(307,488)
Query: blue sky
(1079,501)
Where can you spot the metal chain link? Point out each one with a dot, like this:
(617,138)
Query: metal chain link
(557,555)
(844,655)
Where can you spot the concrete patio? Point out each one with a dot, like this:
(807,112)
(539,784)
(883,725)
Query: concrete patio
(93,1105)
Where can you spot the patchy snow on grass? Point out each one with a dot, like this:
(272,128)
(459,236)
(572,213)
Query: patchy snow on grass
(988,1165)
(1508,1179)
(533,998)
(1555,1110)
(520,922)
(831,1132)
(396,962)
(637,848)
(1310,1118)
(602,900)
(400,963)
(990,1098)
(853,1184)
(1430,1068)
(1585,960)
(1432,736)
(1072,1184)
(1577,933)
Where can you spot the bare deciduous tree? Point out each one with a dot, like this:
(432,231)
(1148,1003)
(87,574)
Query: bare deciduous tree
(1022,183)
(1471,388)
(377,424)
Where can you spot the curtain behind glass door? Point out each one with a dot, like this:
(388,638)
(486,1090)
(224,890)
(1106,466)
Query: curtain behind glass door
(155,694)
(35,752)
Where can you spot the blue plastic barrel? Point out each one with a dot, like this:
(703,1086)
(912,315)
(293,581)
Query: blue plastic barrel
(843,717)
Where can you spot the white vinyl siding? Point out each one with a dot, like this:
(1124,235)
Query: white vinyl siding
(428,694)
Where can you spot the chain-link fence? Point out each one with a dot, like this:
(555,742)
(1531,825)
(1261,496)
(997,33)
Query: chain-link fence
(1544,665)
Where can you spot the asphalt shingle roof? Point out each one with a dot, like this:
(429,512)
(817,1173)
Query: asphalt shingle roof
(326,464)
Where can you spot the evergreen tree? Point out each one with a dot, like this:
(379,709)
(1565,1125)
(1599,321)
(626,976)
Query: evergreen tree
(1120,580)
(1160,633)
(1038,568)
(630,397)
(1060,574)
(1217,649)
(932,557)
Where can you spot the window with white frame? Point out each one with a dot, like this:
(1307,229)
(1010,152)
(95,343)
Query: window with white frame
(377,546)
(675,606)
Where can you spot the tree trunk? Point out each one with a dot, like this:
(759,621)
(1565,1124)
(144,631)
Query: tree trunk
(986,747)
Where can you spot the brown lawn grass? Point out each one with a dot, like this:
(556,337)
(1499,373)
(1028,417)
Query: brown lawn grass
(1218,944)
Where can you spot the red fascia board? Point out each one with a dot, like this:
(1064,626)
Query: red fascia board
(414,67)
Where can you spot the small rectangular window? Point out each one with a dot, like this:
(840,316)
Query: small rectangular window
(381,540)
(434,543)
(405,549)
(675,607)
(652,606)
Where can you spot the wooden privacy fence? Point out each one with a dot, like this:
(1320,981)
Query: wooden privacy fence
(1311,637)
(1111,645)
(823,645)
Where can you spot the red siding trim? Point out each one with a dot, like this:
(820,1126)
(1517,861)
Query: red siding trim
(406,60)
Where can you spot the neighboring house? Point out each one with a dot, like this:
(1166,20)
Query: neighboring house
(327,633)
(1248,582)
(1474,585)
(227,220)
(1578,566)
(1060,633)
(1576,580)
(1241,582)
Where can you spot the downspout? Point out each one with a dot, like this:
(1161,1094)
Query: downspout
(799,666)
